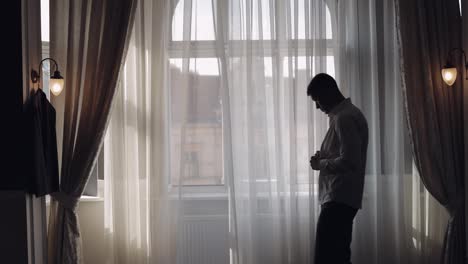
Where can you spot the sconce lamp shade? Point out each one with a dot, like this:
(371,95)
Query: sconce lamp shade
(56,83)
(56,80)
(449,74)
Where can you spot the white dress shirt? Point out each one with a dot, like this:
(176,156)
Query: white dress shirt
(343,156)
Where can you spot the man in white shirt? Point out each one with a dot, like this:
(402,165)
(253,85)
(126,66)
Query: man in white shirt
(342,163)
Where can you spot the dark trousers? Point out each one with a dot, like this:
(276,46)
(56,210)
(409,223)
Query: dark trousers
(334,233)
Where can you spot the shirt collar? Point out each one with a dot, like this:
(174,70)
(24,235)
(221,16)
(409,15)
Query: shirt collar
(337,108)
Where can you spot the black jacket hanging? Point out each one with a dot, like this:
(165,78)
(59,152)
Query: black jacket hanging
(42,171)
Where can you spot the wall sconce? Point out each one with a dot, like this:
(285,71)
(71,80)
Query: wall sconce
(56,80)
(449,72)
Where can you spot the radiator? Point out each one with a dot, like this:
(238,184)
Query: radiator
(204,240)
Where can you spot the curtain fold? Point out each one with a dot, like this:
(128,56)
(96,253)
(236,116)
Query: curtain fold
(428,30)
(88,39)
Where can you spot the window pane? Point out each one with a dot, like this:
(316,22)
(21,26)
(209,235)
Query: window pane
(178,22)
(325,62)
(250,20)
(202,20)
(328,25)
(45,20)
(202,23)
(45,77)
(311,19)
(45,46)
(460,6)
(196,123)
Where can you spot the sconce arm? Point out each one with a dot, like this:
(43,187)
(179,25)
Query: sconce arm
(464,56)
(36,75)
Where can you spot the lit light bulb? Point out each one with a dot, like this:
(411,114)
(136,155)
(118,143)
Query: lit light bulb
(56,83)
(56,86)
(449,75)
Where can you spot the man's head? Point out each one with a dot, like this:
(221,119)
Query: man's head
(324,92)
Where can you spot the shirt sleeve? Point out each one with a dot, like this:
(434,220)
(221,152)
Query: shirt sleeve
(349,158)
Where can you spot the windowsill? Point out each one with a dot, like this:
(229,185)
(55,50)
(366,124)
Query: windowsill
(98,198)
(86,198)
(83,198)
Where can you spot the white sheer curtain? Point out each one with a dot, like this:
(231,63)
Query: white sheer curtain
(400,222)
(274,49)
(212,131)
(139,221)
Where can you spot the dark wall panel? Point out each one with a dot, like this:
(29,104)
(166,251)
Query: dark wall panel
(11,143)
(13,228)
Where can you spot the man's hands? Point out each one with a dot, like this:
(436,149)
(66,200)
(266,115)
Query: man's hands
(315,161)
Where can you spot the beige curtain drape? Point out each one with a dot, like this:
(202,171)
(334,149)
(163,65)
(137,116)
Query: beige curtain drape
(428,30)
(88,39)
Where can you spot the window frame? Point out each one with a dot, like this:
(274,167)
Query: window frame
(274,48)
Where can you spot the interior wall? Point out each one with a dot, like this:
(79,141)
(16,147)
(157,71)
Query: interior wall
(13,239)
(13,229)
(91,222)
(91,219)
(12,99)
(204,241)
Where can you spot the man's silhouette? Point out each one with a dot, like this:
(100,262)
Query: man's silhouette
(342,162)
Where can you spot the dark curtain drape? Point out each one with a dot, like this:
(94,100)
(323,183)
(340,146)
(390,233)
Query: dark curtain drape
(428,30)
(89,40)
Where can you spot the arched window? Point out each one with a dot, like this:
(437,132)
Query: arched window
(198,29)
